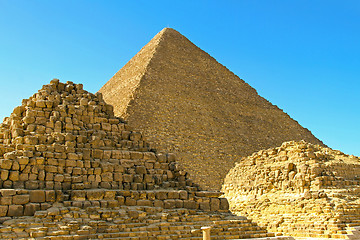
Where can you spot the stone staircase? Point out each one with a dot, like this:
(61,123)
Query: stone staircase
(128,222)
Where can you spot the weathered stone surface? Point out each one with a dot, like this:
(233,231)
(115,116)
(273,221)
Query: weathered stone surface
(78,172)
(37,196)
(21,199)
(297,188)
(185,102)
(15,210)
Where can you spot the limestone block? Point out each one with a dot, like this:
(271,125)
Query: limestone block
(161,195)
(50,196)
(183,194)
(173,195)
(224,204)
(3,211)
(21,199)
(130,201)
(4,174)
(109,195)
(169,204)
(107,177)
(127,178)
(120,199)
(6,200)
(6,163)
(118,177)
(14,176)
(144,202)
(190,204)
(140,170)
(15,210)
(31,208)
(37,196)
(204,206)
(214,204)
(84,101)
(106,126)
(78,195)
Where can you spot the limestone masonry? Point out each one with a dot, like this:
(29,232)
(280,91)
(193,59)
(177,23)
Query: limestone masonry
(70,169)
(299,189)
(185,102)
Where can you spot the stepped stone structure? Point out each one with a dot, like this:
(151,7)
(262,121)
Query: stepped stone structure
(185,102)
(300,189)
(70,169)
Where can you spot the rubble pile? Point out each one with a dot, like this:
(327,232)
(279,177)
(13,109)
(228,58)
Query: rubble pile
(299,188)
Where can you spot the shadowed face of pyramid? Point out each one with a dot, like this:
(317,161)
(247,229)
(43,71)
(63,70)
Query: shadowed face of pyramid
(184,101)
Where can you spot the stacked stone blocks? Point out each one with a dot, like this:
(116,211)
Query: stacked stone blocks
(70,169)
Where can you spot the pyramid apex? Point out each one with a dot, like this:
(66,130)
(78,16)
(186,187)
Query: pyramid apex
(169,30)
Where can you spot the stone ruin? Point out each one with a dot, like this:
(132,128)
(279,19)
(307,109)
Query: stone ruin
(299,189)
(70,169)
(186,102)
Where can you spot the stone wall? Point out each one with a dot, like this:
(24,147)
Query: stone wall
(298,188)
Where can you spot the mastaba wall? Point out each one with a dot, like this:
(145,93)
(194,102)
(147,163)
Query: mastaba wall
(184,101)
(70,169)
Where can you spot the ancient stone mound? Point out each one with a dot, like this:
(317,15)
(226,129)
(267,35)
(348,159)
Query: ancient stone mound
(184,101)
(69,169)
(298,188)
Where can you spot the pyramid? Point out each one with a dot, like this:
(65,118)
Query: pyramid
(300,189)
(185,102)
(70,169)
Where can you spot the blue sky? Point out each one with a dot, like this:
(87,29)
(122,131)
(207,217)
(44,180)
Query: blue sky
(303,56)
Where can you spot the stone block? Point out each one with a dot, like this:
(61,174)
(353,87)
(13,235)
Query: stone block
(31,208)
(205,206)
(118,177)
(161,195)
(130,201)
(127,178)
(144,202)
(21,199)
(107,177)
(15,210)
(6,200)
(6,164)
(159,203)
(183,194)
(109,195)
(224,204)
(140,170)
(50,196)
(7,192)
(78,195)
(121,200)
(37,196)
(173,195)
(4,174)
(190,204)
(3,211)
(95,194)
(169,204)
(214,204)
(179,203)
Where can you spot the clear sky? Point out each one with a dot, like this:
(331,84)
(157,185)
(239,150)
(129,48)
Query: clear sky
(303,56)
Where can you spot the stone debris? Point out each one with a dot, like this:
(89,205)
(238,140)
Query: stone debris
(299,189)
(70,169)
(186,102)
